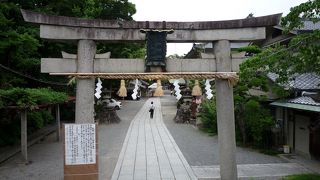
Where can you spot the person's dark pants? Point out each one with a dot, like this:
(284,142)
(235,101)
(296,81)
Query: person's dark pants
(151,113)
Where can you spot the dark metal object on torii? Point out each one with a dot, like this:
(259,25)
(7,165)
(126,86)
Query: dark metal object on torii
(156,49)
(221,33)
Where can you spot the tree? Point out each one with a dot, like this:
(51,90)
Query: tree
(305,11)
(302,54)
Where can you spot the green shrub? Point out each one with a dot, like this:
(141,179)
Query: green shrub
(47,117)
(39,119)
(258,121)
(30,98)
(251,49)
(208,116)
(35,121)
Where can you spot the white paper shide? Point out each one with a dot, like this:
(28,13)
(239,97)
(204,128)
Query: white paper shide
(80,144)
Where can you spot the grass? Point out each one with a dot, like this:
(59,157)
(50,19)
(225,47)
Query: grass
(302,177)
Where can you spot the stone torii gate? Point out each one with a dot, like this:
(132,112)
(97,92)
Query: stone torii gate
(87,31)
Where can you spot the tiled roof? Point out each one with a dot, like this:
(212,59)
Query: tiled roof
(304,81)
(309,25)
(304,100)
(273,76)
(296,106)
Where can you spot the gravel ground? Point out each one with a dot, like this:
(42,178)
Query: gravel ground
(200,149)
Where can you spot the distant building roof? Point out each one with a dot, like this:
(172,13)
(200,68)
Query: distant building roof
(304,100)
(296,106)
(199,48)
(307,26)
(233,45)
(306,81)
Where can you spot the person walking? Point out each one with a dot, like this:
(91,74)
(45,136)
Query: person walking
(151,110)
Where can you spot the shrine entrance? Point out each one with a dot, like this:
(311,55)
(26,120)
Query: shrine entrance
(87,65)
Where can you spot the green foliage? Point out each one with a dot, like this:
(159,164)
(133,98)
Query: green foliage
(208,116)
(38,119)
(309,10)
(30,98)
(102,9)
(304,48)
(47,116)
(18,44)
(128,50)
(254,121)
(258,120)
(250,49)
(111,9)
(35,120)
(302,177)
(301,55)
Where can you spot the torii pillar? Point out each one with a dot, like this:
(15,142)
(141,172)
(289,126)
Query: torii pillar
(225,113)
(85,87)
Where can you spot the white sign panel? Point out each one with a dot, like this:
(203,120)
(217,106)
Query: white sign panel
(80,144)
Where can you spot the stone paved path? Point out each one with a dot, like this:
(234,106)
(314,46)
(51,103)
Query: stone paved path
(149,151)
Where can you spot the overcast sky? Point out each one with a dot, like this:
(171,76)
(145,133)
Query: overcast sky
(206,10)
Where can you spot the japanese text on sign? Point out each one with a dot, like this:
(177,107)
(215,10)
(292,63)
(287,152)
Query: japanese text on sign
(80,144)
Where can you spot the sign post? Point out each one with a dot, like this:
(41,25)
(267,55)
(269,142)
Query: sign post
(80,152)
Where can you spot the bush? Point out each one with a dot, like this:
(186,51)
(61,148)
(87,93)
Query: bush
(208,116)
(38,119)
(258,122)
(35,121)
(30,98)
(47,117)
